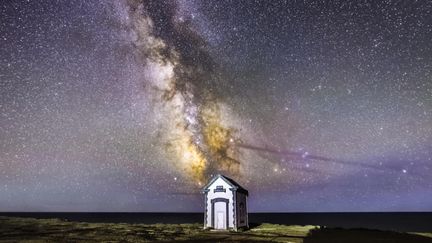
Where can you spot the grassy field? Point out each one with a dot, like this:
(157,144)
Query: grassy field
(56,230)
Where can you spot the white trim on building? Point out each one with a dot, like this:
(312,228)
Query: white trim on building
(225,204)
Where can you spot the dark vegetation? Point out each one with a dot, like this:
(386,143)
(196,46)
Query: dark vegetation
(14,229)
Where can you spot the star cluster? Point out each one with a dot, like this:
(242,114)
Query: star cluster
(132,105)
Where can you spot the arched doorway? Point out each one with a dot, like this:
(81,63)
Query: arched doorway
(219,211)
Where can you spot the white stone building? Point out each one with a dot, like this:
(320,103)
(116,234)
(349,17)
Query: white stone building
(225,204)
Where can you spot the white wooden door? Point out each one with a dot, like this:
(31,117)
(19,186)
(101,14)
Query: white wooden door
(220,220)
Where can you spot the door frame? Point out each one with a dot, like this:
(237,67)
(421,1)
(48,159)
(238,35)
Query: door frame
(215,200)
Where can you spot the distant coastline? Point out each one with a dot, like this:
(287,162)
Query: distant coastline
(395,221)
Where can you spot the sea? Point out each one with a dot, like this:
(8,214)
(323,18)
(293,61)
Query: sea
(394,221)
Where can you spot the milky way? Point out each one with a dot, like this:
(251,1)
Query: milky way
(134,105)
(181,81)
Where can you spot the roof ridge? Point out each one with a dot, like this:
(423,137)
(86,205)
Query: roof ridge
(228,180)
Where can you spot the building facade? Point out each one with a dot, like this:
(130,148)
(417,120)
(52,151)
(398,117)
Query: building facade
(225,204)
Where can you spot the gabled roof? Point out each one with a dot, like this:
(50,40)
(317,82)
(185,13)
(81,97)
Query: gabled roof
(228,180)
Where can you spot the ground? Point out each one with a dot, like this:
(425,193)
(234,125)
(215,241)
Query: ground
(56,230)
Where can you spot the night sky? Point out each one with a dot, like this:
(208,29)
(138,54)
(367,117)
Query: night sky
(134,105)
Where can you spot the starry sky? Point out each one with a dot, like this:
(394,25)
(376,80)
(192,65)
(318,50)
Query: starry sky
(129,105)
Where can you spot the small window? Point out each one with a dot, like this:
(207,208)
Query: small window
(242,212)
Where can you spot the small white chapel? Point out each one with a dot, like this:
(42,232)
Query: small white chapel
(225,204)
